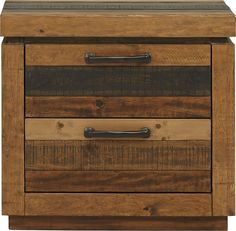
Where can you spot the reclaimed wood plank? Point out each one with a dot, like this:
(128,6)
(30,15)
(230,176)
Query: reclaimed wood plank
(117,81)
(118,155)
(13,129)
(223,130)
(118,223)
(118,24)
(161,55)
(118,181)
(161,129)
(117,204)
(158,107)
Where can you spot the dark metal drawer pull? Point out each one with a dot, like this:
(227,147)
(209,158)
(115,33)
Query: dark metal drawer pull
(91,58)
(92,133)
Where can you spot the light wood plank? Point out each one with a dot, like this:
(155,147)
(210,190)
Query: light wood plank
(73,129)
(223,130)
(110,204)
(161,55)
(13,129)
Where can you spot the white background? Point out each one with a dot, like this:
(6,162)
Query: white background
(4,219)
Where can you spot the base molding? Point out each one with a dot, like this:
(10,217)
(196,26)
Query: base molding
(117,223)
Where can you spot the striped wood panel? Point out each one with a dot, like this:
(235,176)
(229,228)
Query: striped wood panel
(114,181)
(117,81)
(118,155)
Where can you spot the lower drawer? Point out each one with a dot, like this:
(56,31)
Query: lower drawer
(173,156)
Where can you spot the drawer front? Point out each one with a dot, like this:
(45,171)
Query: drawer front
(59,82)
(69,147)
(175,157)
(161,54)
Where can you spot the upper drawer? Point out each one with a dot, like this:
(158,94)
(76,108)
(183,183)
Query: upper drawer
(118,54)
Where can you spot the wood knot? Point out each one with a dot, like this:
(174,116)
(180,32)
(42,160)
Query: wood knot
(41,31)
(60,125)
(99,104)
(158,126)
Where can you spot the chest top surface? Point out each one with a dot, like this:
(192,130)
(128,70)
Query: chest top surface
(132,18)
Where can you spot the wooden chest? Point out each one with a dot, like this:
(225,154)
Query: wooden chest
(118,114)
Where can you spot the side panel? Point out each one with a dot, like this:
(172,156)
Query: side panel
(223,129)
(13,129)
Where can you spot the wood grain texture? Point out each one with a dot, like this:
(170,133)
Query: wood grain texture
(73,129)
(118,155)
(121,24)
(117,81)
(13,129)
(223,130)
(117,204)
(118,181)
(73,54)
(118,223)
(158,107)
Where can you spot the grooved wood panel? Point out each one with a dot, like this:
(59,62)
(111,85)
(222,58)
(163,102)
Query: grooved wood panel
(161,129)
(159,107)
(117,155)
(118,223)
(223,141)
(118,181)
(117,81)
(117,204)
(74,54)
(13,129)
(118,24)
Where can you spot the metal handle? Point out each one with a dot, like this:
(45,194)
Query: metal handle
(92,133)
(91,58)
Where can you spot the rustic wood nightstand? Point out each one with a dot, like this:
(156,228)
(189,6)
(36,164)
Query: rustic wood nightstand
(118,115)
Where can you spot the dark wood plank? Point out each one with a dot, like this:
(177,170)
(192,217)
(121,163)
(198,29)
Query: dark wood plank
(118,223)
(119,40)
(19,6)
(118,81)
(118,181)
(158,107)
(223,140)
(13,129)
(118,155)
(118,204)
